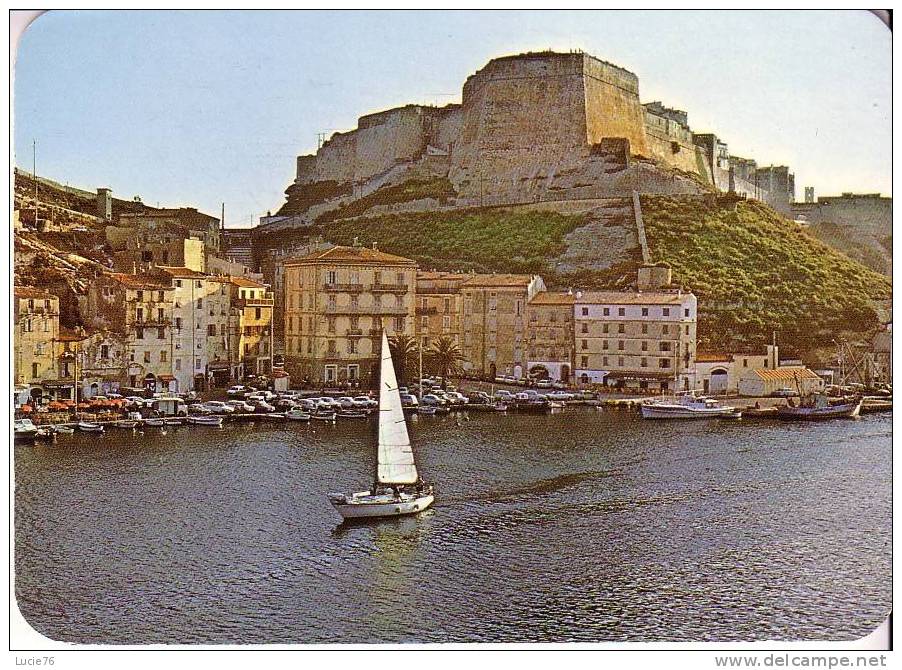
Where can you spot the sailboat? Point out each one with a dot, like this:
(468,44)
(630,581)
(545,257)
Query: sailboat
(398,489)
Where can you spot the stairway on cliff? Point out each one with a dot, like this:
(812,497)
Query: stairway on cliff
(608,239)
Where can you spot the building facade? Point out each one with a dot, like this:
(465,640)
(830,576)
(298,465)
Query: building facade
(494,323)
(337,301)
(439,306)
(36,331)
(718,374)
(550,336)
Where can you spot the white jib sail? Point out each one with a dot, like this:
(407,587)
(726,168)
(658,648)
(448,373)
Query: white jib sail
(396,464)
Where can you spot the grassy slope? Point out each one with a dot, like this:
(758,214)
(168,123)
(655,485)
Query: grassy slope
(755,271)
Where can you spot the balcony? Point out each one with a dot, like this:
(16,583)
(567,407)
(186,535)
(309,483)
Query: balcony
(351,309)
(343,288)
(354,332)
(391,288)
(266,301)
(421,311)
(151,323)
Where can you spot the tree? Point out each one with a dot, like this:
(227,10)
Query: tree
(403,350)
(445,357)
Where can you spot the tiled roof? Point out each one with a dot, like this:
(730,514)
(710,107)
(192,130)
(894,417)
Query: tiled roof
(498,280)
(243,282)
(31,292)
(704,357)
(786,373)
(423,275)
(552,298)
(350,255)
(181,272)
(136,281)
(631,298)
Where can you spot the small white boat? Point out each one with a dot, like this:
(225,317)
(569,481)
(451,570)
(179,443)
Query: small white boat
(45,434)
(205,420)
(398,489)
(63,430)
(24,430)
(297,415)
(687,406)
(88,427)
(173,421)
(324,416)
(426,409)
(820,408)
(156,422)
(352,414)
(127,424)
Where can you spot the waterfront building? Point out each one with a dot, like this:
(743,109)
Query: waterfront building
(550,335)
(201,320)
(439,306)
(764,382)
(36,330)
(494,323)
(718,373)
(638,340)
(248,346)
(140,309)
(337,301)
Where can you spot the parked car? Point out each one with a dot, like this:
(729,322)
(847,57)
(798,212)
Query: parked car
(560,395)
(366,401)
(218,407)
(409,400)
(241,406)
(479,398)
(544,384)
(456,398)
(432,399)
(261,406)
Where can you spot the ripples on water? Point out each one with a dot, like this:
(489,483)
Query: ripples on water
(579,526)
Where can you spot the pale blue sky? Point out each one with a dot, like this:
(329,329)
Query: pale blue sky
(197,108)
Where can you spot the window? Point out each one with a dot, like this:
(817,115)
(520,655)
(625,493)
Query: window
(606,311)
(257,313)
(604,361)
(352,346)
(745,362)
(765,362)
(377,301)
(687,330)
(331,277)
(247,348)
(353,372)
(666,311)
(200,303)
(664,346)
(644,328)
(105,352)
(447,305)
(585,311)
(665,329)
(643,363)
(222,329)
(604,344)
(139,333)
(584,344)
(400,278)
(620,361)
(159,314)
(331,347)
(178,363)
(197,284)
(399,324)
(330,324)
(355,322)
(178,323)
(332,302)
(161,333)
(377,277)
(34,369)
(160,294)
(585,361)
(139,315)
(519,307)
(584,328)
(140,295)
(644,345)
(211,329)
(620,345)
(147,357)
(424,303)
(163,355)
(621,311)
(621,328)
(178,283)
(606,328)
(664,363)
(424,322)
(46,325)
(686,312)
(446,323)
(645,311)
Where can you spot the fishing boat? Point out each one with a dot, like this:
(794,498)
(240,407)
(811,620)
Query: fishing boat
(353,414)
(426,409)
(819,408)
(156,422)
(24,430)
(63,430)
(687,406)
(324,416)
(45,434)
(871,404)
(173,421)
(297,415)
(128,424)
(397,489)
(205,420)
(88,427)
(500,406)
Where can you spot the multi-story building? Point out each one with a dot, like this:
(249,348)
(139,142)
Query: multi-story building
(439,306)
(550,335)
(201,321)
(36,322)
(494,323)
(337,301)
(249,338)
(140,309)
(643,339)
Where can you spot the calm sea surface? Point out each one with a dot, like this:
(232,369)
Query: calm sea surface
(579,526)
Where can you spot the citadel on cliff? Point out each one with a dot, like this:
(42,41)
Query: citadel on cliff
(532,127)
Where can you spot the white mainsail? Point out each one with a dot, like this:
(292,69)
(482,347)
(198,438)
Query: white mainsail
(396,463)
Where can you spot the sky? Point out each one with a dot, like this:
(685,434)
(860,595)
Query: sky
(200,108)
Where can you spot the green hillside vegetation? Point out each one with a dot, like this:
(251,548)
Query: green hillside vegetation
(488,240)
(754,271)
(439,188)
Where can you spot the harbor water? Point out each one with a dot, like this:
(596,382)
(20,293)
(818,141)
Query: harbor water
(581,526)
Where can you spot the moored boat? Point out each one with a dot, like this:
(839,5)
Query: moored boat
(297,415)
(819,409)
(24,430)
(128,424)
(871,404)
(156,422)
(352,414)
(687,406)
(428,410)
(398,489)
(323,416)
(173,421)
(205,420)
(89,427)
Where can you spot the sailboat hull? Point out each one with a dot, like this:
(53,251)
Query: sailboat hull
(363,506)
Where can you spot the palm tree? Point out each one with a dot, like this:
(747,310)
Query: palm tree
(403,350)
(445,357)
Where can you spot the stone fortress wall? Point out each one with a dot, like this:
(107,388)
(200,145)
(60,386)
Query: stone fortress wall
(533,127)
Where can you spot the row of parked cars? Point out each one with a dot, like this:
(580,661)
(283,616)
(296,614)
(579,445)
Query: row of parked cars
(249,400)
(529,381)
(532,394)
